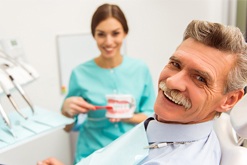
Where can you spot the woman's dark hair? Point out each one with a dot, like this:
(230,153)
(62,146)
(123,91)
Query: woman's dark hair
(105,11)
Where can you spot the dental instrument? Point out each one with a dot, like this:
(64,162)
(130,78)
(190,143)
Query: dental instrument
(5,116)
(107,107)
(9,96)
(17,86)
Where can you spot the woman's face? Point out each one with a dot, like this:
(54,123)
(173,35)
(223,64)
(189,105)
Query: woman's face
(109,35)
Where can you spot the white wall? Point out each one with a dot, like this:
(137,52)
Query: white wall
(156,28)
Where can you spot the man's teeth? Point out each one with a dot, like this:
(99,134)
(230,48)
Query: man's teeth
(179,98)
(175,101)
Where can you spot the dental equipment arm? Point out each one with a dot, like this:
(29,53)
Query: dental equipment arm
(17,63)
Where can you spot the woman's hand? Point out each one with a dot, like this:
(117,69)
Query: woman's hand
(114,120)
(75,105)
(50,161)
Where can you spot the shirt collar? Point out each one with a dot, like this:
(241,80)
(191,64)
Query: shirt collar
(164,132)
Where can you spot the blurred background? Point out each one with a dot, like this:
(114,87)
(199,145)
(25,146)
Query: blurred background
(156,28)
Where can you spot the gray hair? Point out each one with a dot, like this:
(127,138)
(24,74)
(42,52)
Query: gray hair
(226,39)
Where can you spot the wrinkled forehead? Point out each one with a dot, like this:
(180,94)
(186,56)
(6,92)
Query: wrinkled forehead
(196,49)
(198,56)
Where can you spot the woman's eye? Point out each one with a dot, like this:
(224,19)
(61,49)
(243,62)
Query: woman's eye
(101,34)
(115,33)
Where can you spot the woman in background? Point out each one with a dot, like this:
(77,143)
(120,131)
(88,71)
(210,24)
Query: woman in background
(109,73)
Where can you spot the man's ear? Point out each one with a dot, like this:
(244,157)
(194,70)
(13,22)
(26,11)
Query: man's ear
(230,100)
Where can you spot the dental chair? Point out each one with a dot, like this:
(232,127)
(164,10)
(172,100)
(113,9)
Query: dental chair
(231,129)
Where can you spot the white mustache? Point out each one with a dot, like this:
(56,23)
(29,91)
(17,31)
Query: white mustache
(175,96)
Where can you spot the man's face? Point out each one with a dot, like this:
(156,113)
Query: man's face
(191,86)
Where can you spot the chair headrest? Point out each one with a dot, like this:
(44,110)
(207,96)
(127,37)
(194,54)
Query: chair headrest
(238,117)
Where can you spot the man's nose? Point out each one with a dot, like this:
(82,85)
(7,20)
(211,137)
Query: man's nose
(177,81)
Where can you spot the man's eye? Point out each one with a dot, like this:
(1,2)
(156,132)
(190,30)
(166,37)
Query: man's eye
(175,64)
(201,79)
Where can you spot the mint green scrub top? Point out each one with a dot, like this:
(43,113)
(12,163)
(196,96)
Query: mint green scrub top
(92,83)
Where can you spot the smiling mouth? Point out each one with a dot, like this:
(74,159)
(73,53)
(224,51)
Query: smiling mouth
(172,100)
(175,97)
(109,49)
